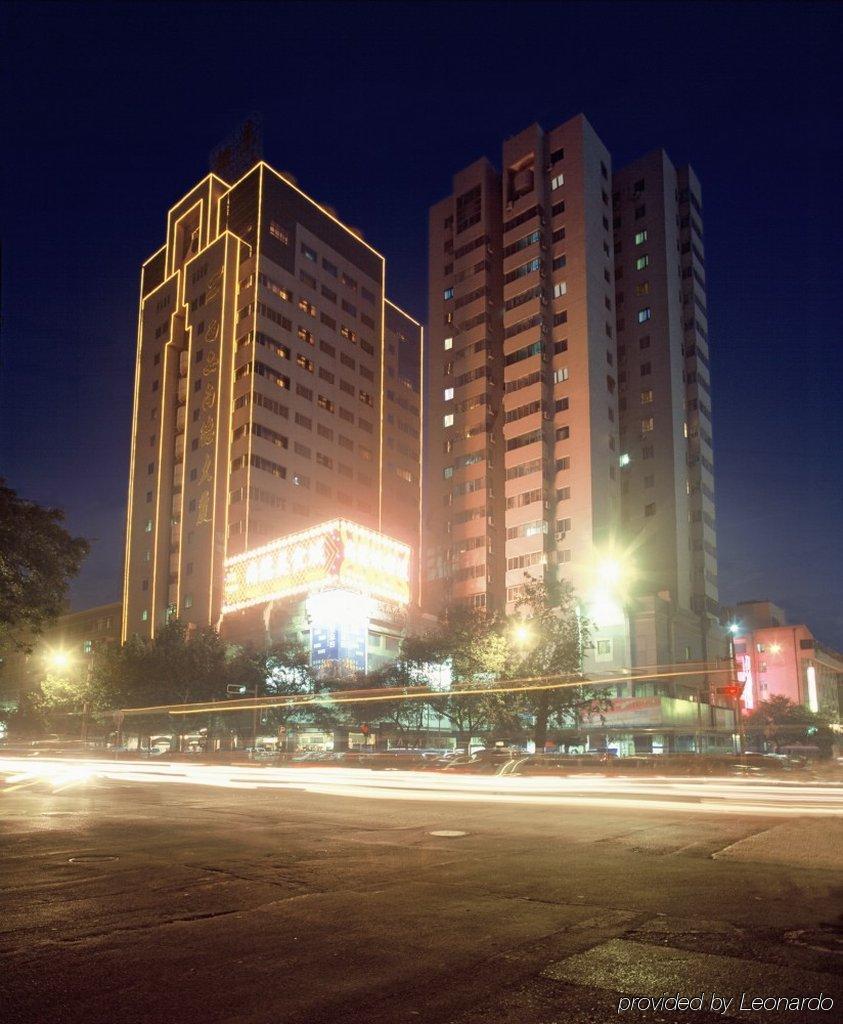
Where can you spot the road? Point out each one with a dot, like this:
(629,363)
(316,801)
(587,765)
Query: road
(148,892)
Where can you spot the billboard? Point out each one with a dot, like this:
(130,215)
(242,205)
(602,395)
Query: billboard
(336,554)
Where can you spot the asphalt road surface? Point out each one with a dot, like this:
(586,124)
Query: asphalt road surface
(186,893)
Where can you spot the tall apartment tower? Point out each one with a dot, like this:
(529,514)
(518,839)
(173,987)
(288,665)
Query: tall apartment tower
(523,443)
(667,463)
(276,388)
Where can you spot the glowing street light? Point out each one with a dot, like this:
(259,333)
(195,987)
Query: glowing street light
(59,661)
(522,634)
(734,628)
(610,572)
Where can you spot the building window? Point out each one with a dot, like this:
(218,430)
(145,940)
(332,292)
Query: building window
(449,343)
(448,293)
(644,314)
(640,237)
(647,425)
(642,262)
(144,615)
(448,394)
(148,527)
(448,420)
(560,289)
(623,460)
(650,510)
(560,375)
(646,397)
(188,601)
(557,182)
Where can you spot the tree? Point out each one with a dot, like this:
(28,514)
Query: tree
(172,668)
(474,645)
(548,638)
(38,558)
(781,722)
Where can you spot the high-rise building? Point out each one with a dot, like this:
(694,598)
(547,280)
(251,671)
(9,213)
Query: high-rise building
(523,432)
(276,389)
(667,464)
(570,408)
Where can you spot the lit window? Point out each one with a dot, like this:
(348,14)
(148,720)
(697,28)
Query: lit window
(641,237)
(449,343)
(148,527)
(646,397)
(560,374)
(624,459)
(448,421)
(557,182)
(448,394)
(647,425)
(144,615)
(560,289)
(642,262)
(644,314)
(448,293)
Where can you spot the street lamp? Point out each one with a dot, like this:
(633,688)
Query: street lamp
(522,634)
(60,661)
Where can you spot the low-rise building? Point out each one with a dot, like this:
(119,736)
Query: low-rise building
(777,659)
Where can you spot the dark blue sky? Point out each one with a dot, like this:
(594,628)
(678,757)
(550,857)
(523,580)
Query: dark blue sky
(110,112)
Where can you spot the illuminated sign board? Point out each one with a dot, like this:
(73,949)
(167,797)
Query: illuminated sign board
(337,554)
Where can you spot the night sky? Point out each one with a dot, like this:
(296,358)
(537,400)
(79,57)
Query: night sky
(110,112)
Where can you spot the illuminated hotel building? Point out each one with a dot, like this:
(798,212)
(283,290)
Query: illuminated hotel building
(276,389)
(667,463)
(524,448)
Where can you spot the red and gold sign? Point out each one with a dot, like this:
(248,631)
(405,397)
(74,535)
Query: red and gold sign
(337,554)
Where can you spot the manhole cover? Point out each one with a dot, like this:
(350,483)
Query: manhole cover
(91,858)
(447,833)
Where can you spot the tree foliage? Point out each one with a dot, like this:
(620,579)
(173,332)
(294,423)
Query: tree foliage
(38,559)
(555,638)
(475,646)
(780,722)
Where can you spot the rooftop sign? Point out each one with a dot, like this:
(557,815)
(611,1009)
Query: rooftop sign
(336,554)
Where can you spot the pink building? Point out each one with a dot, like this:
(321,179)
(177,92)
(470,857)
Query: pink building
(777,659)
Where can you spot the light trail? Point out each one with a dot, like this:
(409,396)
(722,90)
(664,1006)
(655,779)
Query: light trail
(406,693)
(724,796)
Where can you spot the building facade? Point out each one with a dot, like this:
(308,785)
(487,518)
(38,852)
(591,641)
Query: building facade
(276,387)
(67,647)
(523,432)
(776,659)
(666,461)
(570,412)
